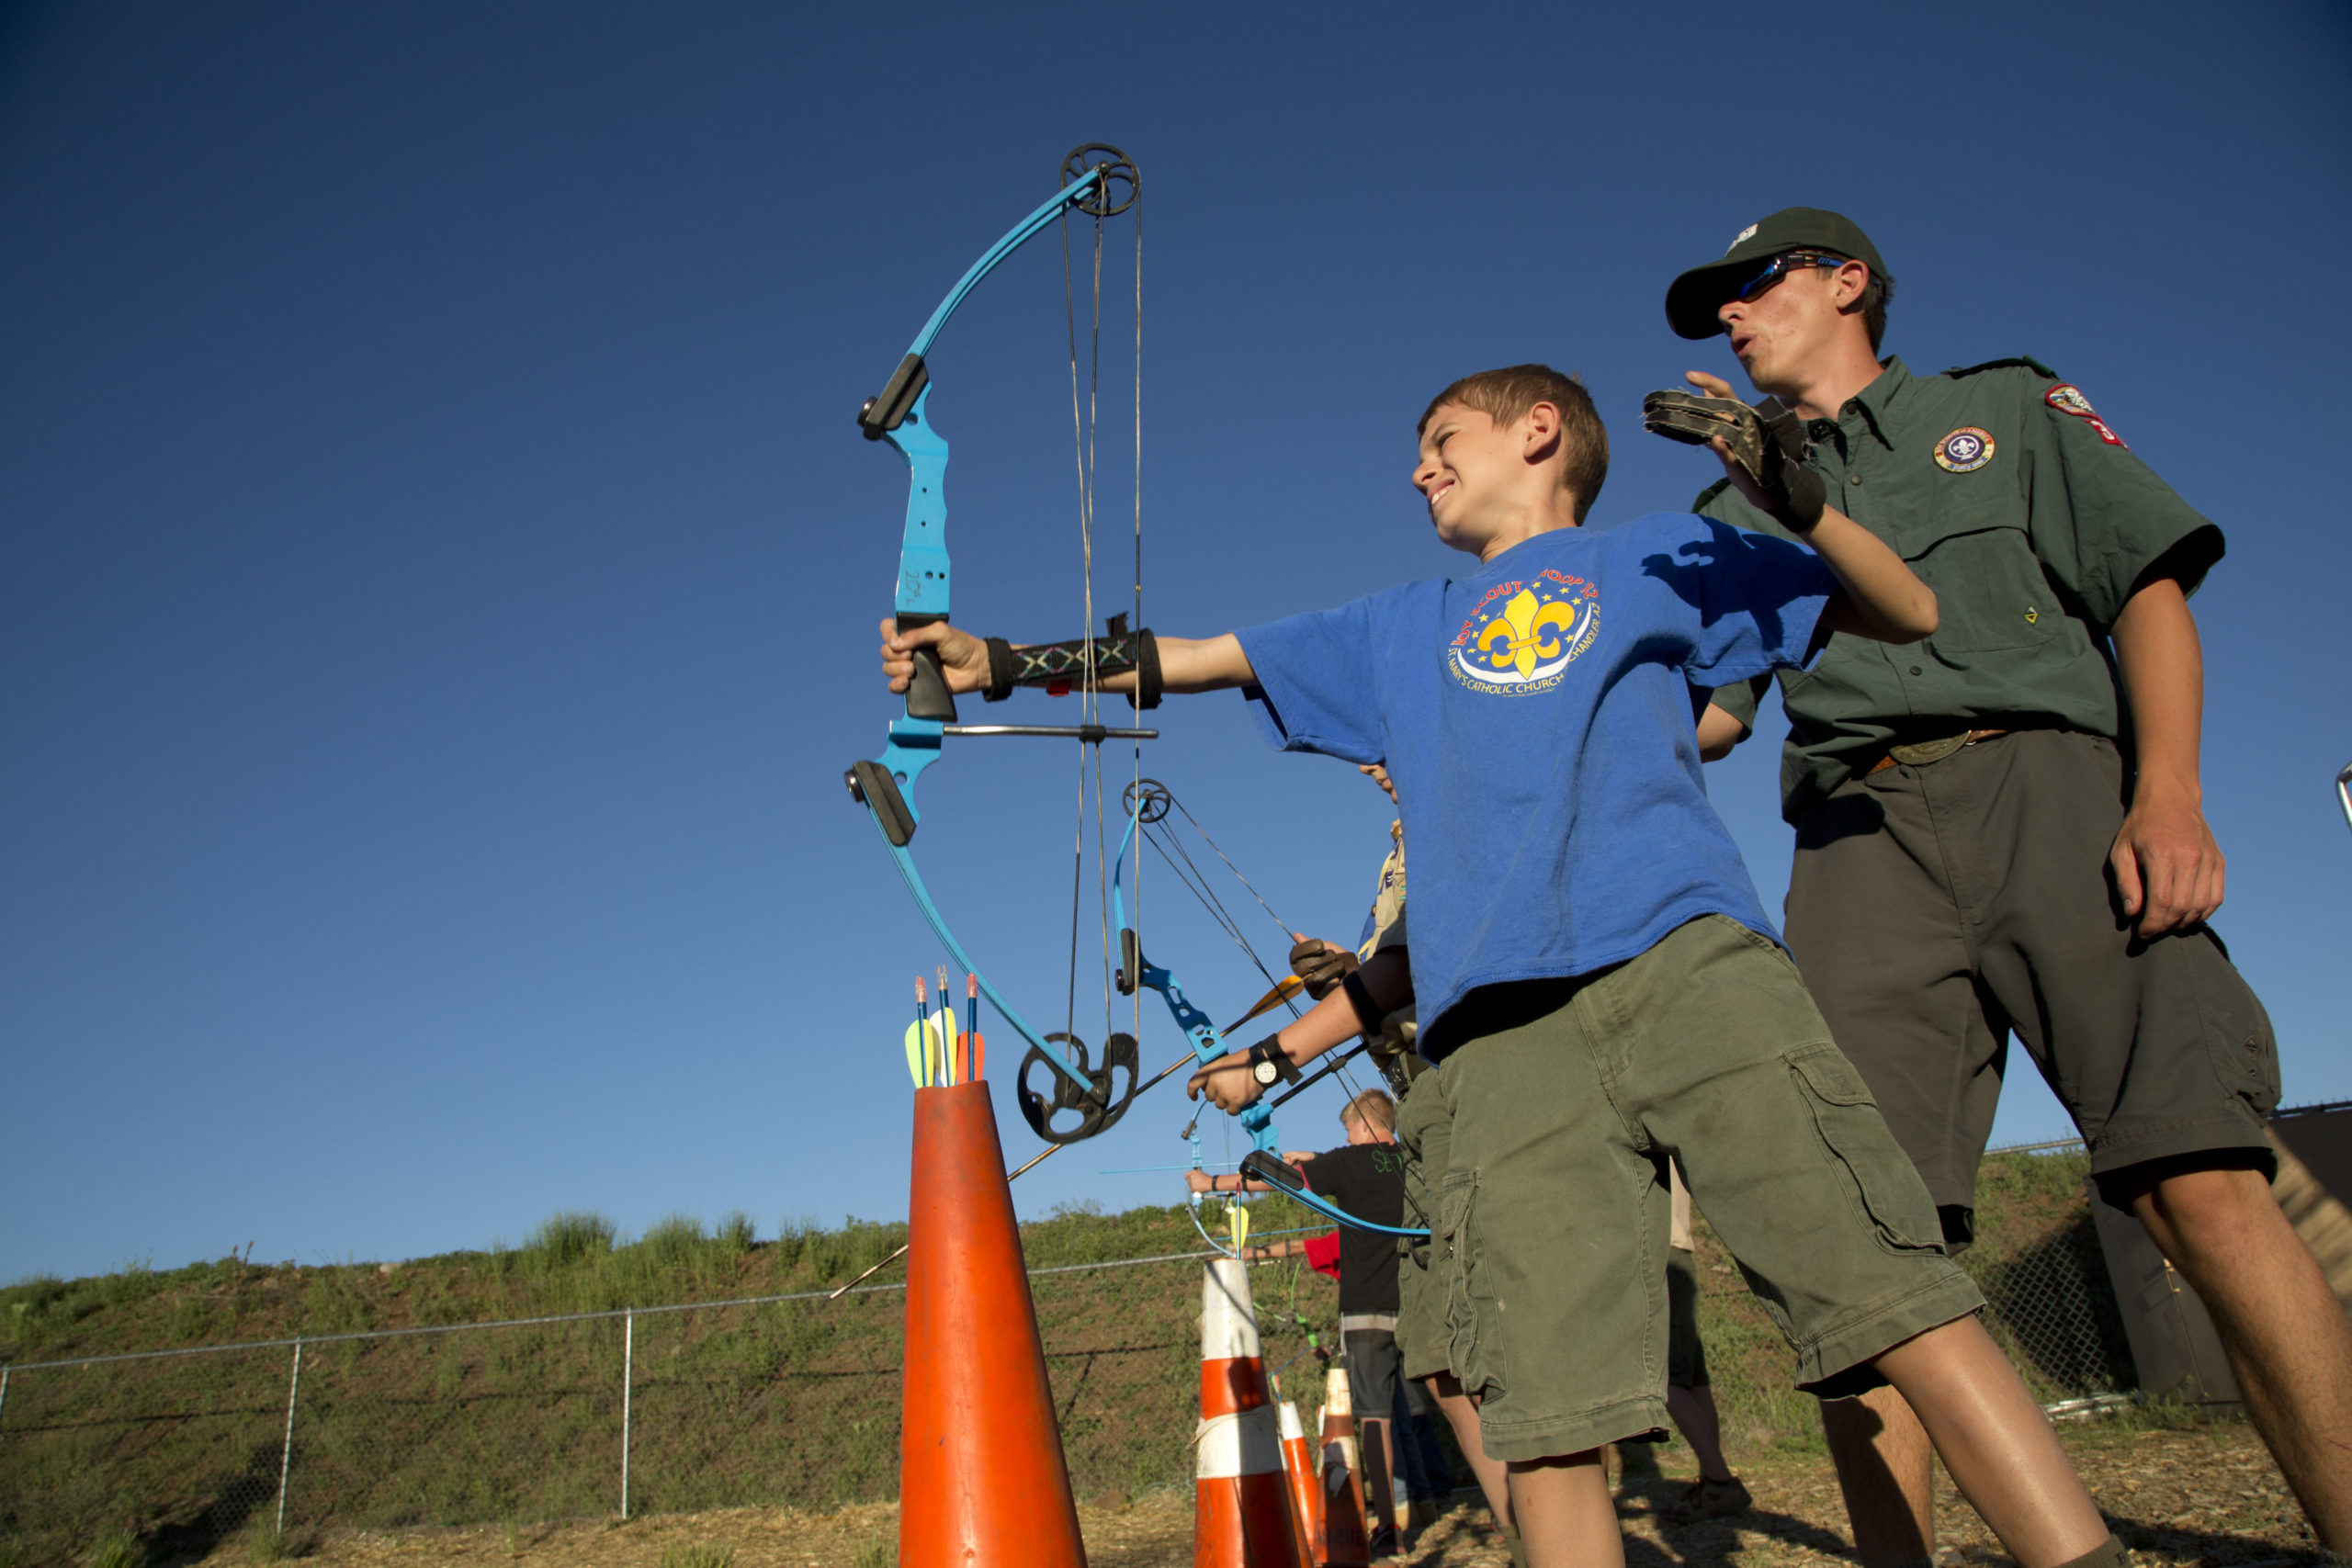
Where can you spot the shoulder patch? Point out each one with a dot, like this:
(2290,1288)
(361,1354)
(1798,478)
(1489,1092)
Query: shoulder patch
(2067,398)
(2035,366)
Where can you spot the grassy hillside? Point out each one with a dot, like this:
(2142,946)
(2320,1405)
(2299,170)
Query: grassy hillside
(792,1403)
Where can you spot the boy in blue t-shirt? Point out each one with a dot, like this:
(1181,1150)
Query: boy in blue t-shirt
(1595,979)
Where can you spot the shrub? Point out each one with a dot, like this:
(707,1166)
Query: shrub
(569,1236)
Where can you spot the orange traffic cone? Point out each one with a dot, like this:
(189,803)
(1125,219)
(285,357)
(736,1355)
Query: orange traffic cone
(1306,1495)
(1241,1514)
(1346,1542)
(981,1478)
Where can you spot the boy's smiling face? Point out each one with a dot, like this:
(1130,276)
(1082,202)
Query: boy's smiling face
(1488,486)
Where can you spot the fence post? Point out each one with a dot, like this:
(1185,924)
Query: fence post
(286,1454)
(628,1375)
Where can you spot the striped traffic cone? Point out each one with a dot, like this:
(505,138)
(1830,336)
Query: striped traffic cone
(981,1478)
(1306,1495)
(1241,1514)
(1346,1542)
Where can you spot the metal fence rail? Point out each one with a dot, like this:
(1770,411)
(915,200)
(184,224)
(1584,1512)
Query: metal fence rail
(794,1400)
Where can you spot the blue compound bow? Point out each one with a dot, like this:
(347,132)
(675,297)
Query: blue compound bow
(1148,801)
(1100,181)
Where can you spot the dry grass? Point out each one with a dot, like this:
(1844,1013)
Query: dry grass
(2206,1494)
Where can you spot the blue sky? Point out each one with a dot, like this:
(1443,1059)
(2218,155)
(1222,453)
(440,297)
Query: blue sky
(440,570)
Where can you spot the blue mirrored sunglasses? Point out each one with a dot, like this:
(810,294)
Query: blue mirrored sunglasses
(1780,266)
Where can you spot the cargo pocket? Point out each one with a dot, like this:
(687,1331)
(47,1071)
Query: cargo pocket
(2238,1037)
(1879,1179)
(1473,1345)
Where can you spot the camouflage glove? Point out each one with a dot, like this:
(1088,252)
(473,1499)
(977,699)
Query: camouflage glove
(1765,441)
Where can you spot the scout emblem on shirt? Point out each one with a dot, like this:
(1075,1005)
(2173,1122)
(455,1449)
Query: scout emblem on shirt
(1522,636)
(2067,398)
(1966,450)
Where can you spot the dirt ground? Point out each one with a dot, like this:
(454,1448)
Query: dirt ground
(2206,1496)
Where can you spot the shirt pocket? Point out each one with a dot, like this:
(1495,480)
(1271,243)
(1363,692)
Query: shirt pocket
(1990,591)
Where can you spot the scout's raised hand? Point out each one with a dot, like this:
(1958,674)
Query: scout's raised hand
(1321,964)
(963,657)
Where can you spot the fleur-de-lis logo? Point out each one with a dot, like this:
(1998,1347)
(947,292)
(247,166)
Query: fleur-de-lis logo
(1522,634)
(1519,641)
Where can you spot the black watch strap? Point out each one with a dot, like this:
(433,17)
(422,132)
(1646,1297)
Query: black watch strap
(1269,1050)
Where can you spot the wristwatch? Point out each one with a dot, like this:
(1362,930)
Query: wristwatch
(1268,1065)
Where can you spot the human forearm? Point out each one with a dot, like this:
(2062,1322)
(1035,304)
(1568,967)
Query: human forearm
(1385,979)
(1879,595)
(2162,664)
(1718,733)
(2168,870)
(1186,664)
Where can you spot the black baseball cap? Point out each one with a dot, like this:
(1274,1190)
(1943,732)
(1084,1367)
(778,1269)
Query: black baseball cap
(1692,299)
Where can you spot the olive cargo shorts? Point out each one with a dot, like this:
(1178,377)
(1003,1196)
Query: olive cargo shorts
(1425,1132)
(1568,1096)
(1935,909)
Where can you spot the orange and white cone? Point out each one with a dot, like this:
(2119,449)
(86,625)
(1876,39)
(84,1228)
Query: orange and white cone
(981,1478)
(1305,1491)
(1241,1511)
(1346,1542)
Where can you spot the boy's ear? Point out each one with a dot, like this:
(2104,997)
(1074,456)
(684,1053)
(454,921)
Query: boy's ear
(1542,422)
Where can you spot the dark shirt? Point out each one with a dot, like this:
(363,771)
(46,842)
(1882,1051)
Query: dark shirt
(1368,1181)
(2032,541)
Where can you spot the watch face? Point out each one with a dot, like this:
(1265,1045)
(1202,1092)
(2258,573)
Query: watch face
(1266,1072)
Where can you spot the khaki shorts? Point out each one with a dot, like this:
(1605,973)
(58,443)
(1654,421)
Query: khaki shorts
(1425,1131)
(1936,909)
(1568,1097)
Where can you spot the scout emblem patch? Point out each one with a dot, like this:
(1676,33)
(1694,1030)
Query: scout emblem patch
(1966,450)
(1523,634)
(2067,398)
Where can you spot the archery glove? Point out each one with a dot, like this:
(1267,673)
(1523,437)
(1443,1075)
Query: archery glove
(1767,441)
(1321,965)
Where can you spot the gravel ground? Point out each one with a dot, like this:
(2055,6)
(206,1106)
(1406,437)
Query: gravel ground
(2205,1495)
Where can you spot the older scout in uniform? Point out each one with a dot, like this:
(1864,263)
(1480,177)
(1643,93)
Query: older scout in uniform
(1999,831)
(1594,976)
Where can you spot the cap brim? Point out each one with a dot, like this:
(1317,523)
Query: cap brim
(1692,299)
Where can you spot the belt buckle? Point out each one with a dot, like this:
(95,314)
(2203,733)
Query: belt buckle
(1920,752)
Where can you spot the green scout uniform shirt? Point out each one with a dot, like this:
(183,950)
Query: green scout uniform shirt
(2031,552)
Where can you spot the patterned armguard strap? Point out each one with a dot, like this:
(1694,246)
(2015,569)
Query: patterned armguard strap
(1062,667)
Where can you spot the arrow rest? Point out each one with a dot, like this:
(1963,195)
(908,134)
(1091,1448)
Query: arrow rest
(1097,1108)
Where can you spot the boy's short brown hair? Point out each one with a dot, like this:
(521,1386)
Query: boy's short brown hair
(1506,395)
(1373,1109)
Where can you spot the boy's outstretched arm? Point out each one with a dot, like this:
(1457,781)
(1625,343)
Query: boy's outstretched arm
(1387,981)
(1186,664)
(1878,596)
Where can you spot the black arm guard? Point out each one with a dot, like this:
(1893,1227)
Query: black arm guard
(1066,664)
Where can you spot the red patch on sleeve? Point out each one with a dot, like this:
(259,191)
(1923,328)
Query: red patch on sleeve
(2067,399)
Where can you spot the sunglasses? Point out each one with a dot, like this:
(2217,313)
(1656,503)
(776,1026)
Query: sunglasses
(1780,266)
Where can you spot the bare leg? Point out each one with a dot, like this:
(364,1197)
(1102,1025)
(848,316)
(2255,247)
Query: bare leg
(2285,1333)
(1462,1416)
(1996,1442)
(1883,1463)
(1379,1444)
(1565,1516)
(1693,1410)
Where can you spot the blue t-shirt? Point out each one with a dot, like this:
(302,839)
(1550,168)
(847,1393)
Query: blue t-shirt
(1536,718)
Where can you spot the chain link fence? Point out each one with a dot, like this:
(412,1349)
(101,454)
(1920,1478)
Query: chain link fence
(794,1400)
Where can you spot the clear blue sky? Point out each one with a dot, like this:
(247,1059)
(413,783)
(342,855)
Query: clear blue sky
(440,570)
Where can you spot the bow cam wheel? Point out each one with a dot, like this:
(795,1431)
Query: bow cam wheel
(1121,184)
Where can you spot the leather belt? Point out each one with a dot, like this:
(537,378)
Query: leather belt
(1919,753)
